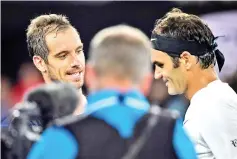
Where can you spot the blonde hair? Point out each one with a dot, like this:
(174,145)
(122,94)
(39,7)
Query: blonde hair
(121,50)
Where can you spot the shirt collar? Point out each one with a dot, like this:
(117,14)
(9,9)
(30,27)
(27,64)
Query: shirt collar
(111,97)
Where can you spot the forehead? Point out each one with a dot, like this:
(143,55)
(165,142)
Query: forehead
(63,40)
(159,56)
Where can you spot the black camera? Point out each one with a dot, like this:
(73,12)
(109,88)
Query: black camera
(40,107)
(17,139)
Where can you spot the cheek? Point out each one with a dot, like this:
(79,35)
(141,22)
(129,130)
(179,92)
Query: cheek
(81,59)
(58,69)
(179,79)
(166,73)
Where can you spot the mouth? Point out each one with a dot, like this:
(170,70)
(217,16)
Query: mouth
(74,76)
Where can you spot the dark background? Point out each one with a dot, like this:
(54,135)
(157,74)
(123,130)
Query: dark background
(88,18)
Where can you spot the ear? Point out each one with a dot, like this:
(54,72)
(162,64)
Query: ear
(146,84)
(186,59)
(90,76)
(39,64)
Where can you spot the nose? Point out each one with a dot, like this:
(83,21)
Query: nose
(75,61)
(157,74)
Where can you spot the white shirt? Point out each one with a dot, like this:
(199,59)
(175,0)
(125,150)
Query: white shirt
(211,121)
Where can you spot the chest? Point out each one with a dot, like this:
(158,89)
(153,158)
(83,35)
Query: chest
(192,127)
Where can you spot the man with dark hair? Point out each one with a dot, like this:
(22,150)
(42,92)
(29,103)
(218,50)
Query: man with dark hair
(56,50)
(184,54)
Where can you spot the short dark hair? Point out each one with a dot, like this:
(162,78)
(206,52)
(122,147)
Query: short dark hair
(179,25)
(39,28)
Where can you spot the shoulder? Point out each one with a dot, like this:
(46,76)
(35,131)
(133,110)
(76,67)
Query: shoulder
(57,135)
(217,96)
(54,140)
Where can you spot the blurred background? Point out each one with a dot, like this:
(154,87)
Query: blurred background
(18,73)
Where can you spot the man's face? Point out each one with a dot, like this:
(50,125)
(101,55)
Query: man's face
(66,60)
(174,78)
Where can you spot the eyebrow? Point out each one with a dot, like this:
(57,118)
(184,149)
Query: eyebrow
(79,47)
(158,63)
(61,52)
(66,51)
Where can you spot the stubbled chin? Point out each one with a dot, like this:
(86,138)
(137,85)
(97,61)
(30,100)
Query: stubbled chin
(77,84)
(174,92)
(171,91)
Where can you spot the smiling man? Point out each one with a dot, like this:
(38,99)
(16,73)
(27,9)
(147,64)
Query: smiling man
(57,51)
(184,53)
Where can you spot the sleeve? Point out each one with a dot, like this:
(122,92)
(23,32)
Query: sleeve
(55,142)
(218,129)
(183,146)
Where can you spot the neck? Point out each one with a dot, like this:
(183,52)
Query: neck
(82,103)
(200,80)
(82,99)
(48,80)
(80,91)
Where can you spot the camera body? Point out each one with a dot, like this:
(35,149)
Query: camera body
(23,131)
(39,109)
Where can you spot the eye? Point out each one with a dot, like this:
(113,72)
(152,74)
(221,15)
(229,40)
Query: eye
(62,56)
(79,51)
(161,65)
